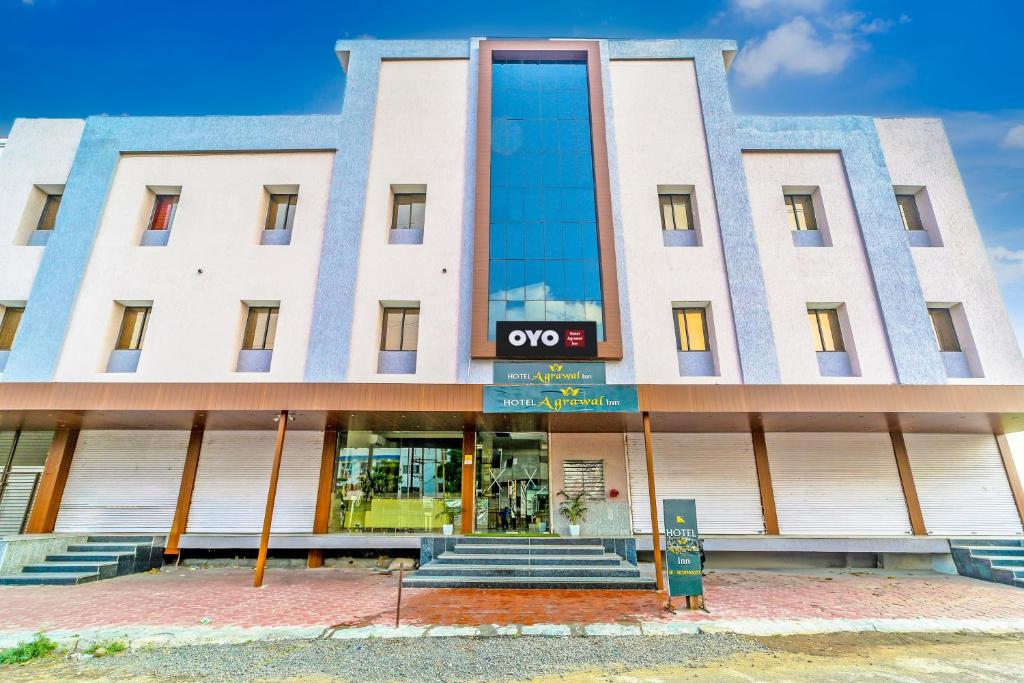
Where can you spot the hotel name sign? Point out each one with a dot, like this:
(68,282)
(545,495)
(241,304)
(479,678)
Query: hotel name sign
(554,372)
(539,398)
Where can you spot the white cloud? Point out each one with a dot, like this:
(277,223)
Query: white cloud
(1014,137)
(1008,264)
(793,48)
(753,6)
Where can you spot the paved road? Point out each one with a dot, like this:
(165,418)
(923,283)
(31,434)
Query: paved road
(719,657)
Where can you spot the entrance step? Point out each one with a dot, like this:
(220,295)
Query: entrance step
(574,563)
(999,561)
(100,557)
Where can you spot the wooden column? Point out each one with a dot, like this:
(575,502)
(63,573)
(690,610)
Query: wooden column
(899,448)
(322,515)
(188,483)
(1012,475)
(764,483)
(468,480)
(51,485)
(268,516)
(655,531)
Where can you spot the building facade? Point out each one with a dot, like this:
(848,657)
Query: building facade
(792,319)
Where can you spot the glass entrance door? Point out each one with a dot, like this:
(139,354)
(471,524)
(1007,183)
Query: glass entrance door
(513,494)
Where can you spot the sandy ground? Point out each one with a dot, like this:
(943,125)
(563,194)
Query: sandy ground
(834,657)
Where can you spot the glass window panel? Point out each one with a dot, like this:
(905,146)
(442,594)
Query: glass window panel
(574,282)
(800,209)
(588,239)
(133,328)
(572,247)
(9,326)
(555,310)
(697,330)
(534,239)
(553,240)
(812,321)
(554,277)
(667,215)
(496,281)
(402,215)
(496,243)
(682,340)
(48,218)
(515,310)
(164,207)
(416,219)
(945,331)
(391,330)
(909,212)
(826,329)
(268,341)
(515,280)
(536,289)
(281,214)
(681,212)
(592,279)
(534,310)
(516,240)
(410,329)
(495,312)
(255,324)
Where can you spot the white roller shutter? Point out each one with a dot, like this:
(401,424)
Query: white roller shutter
(836,484)
(16,499)
(123,481)
(962,485)
(717,470)
(230,494)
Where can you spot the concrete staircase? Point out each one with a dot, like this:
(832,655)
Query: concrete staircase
(100,557)
(1000,561)
(481,562)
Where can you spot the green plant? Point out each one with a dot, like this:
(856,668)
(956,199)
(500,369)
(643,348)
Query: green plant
(107,647)
(40,646)
(449,510)
(574,508)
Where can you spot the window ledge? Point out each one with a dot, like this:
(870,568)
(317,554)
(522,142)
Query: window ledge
(680,238)
(396,363)
(405,236)
(919,238)
(124,360)
(808,238)
(276,237)
(39,238)
(696,364)
(834,364)
(957,365)
(254,360)
(155,238)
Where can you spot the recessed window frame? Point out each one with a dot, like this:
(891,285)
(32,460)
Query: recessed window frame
(400,199)
(913,222)
(817,317)
(795,212)
(289,200)
(10,321)
(260,335)
(133,338)
(683,322)
(406,341)
(943,326)
(48,216)
(669,205)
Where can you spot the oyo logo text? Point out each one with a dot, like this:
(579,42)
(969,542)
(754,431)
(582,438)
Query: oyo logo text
(533,337)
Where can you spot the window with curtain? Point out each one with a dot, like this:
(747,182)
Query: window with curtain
(909,212)
(691,328)
(400,329)
(48,218)
(281,214)
(676,212)
(9,326)
(260,328)
(825,330)
(945,331)
(133,328)
(408,211)
(164,208)
(800,210)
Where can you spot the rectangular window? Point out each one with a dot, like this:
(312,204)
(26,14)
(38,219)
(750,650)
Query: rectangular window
(400,330)
(133,328)
(676,212)
(281,214)
(584,475)
(408,211)
(691,329)
(48,218)
(260,328)
(825,330)
(909,212)
(9,326)
(945,331)
(164,208)
(800,210)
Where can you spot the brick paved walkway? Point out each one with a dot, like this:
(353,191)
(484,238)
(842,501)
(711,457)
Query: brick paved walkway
(356,597)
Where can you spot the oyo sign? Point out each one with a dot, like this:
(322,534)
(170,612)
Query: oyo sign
(546,339)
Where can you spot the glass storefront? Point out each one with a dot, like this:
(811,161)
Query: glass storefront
(513,493)
(397,482)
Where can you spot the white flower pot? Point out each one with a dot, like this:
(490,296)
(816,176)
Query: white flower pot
(574,529)
(542,527)
(447,529)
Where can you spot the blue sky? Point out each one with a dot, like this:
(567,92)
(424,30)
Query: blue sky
(74,58)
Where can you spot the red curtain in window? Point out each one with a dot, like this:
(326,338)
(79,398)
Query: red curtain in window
(162,213)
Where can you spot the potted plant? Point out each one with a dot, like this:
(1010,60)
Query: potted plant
(449,510)
(573,508)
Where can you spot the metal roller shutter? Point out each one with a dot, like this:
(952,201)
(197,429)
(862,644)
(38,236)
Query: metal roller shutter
(123,481)
(29,458)
(717,470)
(230,494)
(962,484)
(834,484)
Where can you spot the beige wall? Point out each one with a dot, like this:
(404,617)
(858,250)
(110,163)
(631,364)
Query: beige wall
(609,447)
(195,331)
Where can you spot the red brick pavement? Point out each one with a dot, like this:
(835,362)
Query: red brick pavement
(356,597)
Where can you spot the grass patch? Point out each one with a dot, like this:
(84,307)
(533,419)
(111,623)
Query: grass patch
(523,534)
(107,647)
(40,646)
